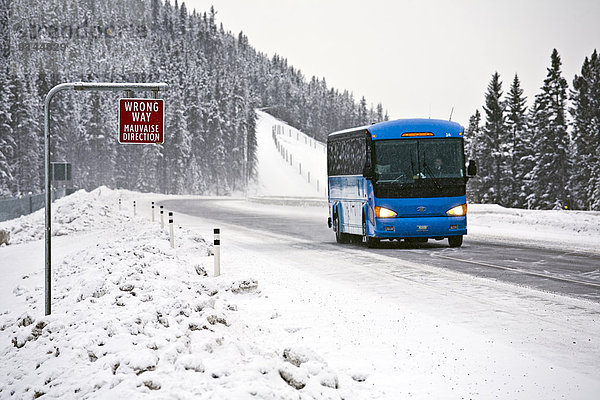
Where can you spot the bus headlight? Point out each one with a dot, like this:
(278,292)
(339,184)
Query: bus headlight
(457,211)
(382,212)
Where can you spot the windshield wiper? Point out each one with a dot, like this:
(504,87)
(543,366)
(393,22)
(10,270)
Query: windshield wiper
(397,184)
(430,173)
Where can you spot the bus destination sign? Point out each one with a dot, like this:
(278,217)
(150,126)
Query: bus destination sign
(141,121)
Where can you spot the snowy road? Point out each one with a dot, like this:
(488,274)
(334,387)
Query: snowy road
(565,272)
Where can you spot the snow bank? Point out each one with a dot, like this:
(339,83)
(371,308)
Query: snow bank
(575,230)
(583,222)
(132,317)
(77,212)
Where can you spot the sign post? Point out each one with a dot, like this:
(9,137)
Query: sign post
(77,86)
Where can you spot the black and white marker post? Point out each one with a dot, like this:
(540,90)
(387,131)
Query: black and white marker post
(217,252)
(119,204)
(134,208)
(172,239)
(152,211)
(162,221)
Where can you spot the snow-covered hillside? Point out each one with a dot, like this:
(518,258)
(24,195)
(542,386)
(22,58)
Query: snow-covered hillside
(291,164)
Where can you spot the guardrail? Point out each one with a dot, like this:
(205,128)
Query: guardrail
(289,158)
(14,207)
(290,201)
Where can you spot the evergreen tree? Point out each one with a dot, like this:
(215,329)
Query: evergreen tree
(216,127)
(193,117)
(362,112)
(27,156)
(379,112)
(472,139)
(491,152)
(585,181)
(472,133)
(4,33)
(101,150)
(6,135)
(519,161)
(177,145)
(549,176)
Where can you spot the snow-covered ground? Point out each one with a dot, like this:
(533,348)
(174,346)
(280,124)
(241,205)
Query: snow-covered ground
(133,317)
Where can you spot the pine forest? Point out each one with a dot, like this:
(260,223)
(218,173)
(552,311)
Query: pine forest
(216,82)
(545,155)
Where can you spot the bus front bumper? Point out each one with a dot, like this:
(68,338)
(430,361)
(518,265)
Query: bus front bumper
(429,227)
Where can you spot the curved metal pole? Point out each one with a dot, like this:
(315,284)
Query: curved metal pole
(47,232)
(155,87)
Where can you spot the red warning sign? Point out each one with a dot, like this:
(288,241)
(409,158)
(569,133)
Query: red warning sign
(141,121)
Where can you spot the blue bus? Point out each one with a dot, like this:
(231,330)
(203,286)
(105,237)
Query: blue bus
(398,180)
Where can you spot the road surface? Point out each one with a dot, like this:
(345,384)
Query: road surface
(568,273)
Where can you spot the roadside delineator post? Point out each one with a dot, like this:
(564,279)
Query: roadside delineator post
(172,239)
(217,251)
(119,204)
(134,208)
(162,221)
(152,211)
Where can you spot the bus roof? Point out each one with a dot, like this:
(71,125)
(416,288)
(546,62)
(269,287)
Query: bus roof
(394,129)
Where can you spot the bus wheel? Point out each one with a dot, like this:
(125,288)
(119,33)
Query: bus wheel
(455,241)
(371,242)
(340,237)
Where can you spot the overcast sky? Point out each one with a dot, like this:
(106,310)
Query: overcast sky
(418,58)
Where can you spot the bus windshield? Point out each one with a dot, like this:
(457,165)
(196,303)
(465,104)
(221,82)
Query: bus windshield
(410,161)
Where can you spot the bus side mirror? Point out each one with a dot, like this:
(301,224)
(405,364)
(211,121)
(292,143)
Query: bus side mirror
(368,172)
(472,168)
